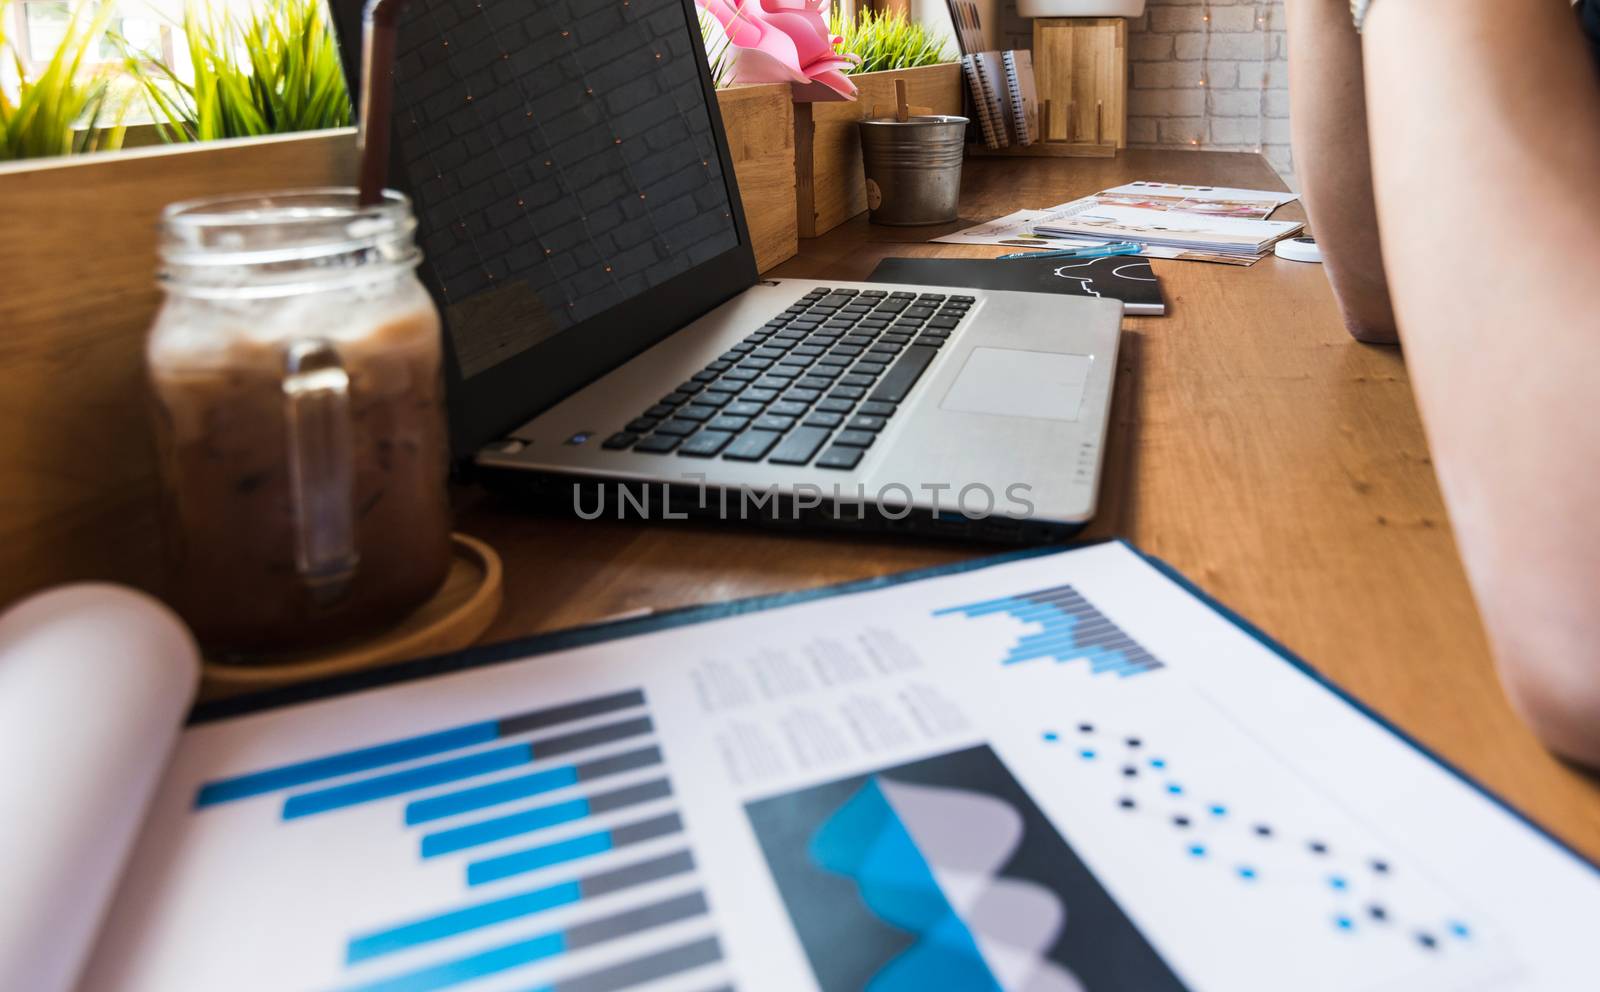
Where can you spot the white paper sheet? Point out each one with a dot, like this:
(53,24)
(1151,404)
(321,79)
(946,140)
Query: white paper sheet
(1032,775)
(94,682)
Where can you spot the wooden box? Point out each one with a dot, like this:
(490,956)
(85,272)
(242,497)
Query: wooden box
(1080,65)
(830,182)
(759,121)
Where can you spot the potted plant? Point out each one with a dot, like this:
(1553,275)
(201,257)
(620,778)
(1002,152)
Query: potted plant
(830,183)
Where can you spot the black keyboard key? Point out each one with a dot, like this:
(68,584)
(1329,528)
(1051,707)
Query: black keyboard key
(801,394)
(872,294)
(963,299)
(704,376)
(895,339)
(759,395)
(929,342)
(855,439)
(931,298)
(943,323)
(848,392)
(620,440)
(917,313)
(720,365)
(839,298)
(727,422)
(935,332)
(904,374)
(713,397)
(738,375)
(849,350)
(855,379)
(808,351)
(824,419)
(857,309)
(845,292)
(658,444)
(772,422)
(788,408)
(840,458)
(775,383)
(866,422)
(877,409)
(755,364)
(832,359)
(697,412)
(751,446)
(706,444)
(674,398)
(799,446)
(836,404)
(767,353)
(873,369)
(882,352)
(797,361)
(642,425)
(742,408)
(819,379)
(659,410)
(681,428)
(892,305)
(781,372)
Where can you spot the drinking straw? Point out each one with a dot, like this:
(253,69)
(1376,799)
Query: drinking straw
(377,96)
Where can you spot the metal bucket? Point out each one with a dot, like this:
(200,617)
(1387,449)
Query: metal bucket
(913,168)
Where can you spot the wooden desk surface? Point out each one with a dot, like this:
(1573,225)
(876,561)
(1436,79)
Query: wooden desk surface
(1255,446)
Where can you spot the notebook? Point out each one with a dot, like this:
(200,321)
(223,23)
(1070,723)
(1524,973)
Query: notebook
(1022,95)
(986,81)
(1063,769)
(1126,278)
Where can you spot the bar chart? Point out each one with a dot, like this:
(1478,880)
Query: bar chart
(1070,628)
(563,795)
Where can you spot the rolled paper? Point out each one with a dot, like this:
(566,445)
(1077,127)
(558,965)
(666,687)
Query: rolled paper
(94,684)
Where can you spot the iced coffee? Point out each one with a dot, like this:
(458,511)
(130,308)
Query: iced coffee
(301,428)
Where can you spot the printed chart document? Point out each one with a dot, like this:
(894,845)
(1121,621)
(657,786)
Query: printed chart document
(1058,772)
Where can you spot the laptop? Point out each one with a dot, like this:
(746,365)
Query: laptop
(611,346)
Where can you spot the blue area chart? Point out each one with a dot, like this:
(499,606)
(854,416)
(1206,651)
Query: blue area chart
(478,792)
(1069,628)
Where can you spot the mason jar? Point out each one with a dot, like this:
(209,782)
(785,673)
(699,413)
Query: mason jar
(299,397)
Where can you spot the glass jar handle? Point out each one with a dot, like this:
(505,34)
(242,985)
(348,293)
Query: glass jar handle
(316,394)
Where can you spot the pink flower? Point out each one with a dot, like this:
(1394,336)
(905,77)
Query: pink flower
(782,41)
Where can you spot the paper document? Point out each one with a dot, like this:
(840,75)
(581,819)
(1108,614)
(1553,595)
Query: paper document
(1061,771)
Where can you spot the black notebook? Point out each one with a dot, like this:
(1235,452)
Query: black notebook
(1122,277)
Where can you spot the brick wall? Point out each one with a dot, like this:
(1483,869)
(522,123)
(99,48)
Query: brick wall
(1206,74)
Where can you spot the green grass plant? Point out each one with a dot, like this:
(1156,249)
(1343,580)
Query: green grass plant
(62,110)
(273,71)
(888,41)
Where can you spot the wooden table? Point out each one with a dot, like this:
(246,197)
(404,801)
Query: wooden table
(1255,446)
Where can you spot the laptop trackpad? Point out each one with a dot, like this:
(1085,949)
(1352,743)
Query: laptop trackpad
(1009,383)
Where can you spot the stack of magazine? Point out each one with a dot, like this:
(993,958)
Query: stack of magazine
(1167,220)
(1205,220)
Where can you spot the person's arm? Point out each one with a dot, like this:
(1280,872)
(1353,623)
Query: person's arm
(1485,122)
(1329,121)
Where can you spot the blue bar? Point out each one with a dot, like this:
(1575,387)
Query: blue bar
(384,786)
(467,800)
(461,921)
(481,965)
(344,763)
(494,869)
(501,827)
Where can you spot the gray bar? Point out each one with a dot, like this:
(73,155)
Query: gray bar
(619,763)
(631,922)
(1065,596)
(538,719)
(605,802)
(552,746)
(653,870)
(638,833)
(1110,641)
(662,964)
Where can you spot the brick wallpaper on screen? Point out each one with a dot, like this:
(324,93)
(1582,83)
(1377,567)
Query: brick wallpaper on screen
(1220,84)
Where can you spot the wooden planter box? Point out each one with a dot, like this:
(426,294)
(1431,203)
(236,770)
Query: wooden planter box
(830,184)
(78,479)
(759,121)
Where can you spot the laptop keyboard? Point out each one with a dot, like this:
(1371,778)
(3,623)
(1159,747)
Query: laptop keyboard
(814,385)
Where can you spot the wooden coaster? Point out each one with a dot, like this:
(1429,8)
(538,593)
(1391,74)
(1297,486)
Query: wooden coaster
(454,618)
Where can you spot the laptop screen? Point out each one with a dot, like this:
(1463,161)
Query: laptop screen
(570,186)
